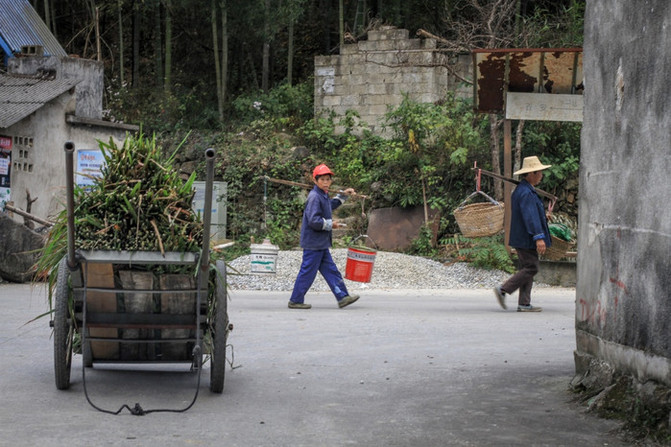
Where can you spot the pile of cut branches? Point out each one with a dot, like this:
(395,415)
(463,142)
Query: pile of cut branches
(138,204)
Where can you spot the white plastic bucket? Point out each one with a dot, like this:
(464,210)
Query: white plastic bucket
(264,257)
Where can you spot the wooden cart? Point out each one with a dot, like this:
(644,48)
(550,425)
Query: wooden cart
(113,307)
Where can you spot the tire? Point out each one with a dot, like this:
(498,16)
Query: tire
(63,328)
(220,332)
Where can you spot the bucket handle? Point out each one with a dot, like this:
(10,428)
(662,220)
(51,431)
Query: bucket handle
(461,205)
(360,236)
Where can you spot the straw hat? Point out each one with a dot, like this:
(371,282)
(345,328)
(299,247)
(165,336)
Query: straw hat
(531,164)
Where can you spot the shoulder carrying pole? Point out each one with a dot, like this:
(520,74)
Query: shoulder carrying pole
(540,192)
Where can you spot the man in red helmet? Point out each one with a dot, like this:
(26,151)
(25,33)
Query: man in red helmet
(316,239)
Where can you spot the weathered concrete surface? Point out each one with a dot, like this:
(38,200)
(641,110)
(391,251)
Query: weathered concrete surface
(557,273)
(370,75)
(398,368)
(623,312)
(37,157)
(19,247)
(394,229)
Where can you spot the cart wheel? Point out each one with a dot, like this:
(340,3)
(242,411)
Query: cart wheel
(63,329)
(218,354)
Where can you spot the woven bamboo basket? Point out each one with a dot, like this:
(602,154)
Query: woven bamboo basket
(558,249)
(480,219)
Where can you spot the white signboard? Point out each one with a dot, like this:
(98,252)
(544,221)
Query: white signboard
(89,164)
(4,197)
(218,216)
(328,84)
(544,107)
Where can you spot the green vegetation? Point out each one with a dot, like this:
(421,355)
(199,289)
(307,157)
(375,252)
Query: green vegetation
(229,75)
(426,161)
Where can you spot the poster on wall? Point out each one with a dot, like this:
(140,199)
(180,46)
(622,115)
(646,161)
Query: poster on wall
(89,166)
(5,169)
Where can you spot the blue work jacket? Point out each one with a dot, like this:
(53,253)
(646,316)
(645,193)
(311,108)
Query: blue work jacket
(527,219)
(317,219)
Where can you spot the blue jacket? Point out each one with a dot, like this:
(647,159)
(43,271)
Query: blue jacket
(317,220)
(527,220)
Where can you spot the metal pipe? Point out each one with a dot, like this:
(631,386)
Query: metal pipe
(207,217)
(70,200)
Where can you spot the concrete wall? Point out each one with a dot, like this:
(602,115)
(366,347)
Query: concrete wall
(623,292)
(89,92)
(38,158)
(372,75)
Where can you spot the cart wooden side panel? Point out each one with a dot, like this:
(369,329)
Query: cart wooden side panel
(102,275)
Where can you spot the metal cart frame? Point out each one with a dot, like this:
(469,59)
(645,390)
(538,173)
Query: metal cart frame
(72,314)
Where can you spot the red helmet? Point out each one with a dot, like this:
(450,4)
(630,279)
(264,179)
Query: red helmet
(322,169)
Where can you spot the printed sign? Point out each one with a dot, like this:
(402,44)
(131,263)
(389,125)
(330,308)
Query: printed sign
(544,107)
(89,166)
(5,143)
(4,197)
(328,84)
(218,213)
(5,162)
(4,167)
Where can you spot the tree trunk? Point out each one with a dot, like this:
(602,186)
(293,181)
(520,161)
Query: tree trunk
(265,70)
(224,51)
(325,20)
(121,49)
(158,46)
(137,18)
(341,23)
(290,52)
(217,61)
(167,81)
(47,15)
(496,163)
(220,55)
(99,56)
(518,145)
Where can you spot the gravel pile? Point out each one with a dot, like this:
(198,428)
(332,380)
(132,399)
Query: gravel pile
(390,271)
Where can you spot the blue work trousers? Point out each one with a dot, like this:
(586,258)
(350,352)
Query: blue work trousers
(318,261)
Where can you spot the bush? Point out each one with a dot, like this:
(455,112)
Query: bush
(483,252)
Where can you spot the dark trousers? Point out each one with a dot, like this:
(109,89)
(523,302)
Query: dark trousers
(523,279)
(318,261)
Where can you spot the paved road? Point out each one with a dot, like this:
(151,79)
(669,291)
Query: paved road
(398,368)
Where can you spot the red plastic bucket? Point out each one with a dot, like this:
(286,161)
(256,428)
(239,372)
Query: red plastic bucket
(360,261)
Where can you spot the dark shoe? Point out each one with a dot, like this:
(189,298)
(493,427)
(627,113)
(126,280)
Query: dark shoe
(500,296)
(529,308)
(293,305)
(347,300)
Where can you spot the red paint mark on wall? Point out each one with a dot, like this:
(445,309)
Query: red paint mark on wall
(619,284)
(594,313)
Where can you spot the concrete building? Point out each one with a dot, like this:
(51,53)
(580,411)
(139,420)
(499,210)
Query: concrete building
(46,99)
(623,293)
(372,75)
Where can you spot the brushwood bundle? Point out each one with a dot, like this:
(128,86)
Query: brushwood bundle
(139,203)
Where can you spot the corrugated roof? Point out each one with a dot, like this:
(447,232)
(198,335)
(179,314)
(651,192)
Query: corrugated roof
(21,96)
(21,25)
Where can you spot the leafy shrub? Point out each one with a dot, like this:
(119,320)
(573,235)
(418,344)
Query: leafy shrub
(483,252)
(284,105)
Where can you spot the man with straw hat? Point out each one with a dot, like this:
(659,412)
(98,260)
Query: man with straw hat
(529,235)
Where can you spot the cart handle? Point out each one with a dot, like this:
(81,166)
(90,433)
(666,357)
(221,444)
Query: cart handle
(69,148)
(207,215)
